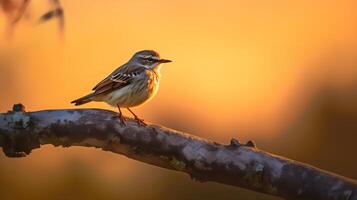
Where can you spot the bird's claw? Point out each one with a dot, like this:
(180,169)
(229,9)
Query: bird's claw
(137,119)
(140,122)
(121,118)
(122,121)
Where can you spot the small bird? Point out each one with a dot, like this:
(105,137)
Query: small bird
(130,85)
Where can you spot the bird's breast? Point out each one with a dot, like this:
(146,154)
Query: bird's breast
(139,91)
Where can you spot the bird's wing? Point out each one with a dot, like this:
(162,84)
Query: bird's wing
(118,79)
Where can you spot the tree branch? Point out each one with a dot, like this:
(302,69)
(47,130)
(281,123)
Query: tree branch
(237,164)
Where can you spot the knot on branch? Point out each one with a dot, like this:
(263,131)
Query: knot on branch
(235,143)
(17,118)
(18,142)
(252,144)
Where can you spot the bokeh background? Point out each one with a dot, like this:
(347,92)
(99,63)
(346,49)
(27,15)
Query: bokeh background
(280,73)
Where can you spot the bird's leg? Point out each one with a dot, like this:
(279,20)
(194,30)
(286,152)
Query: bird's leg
(140,121)
(121,117)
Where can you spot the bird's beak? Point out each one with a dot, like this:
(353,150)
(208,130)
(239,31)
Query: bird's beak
(164,61)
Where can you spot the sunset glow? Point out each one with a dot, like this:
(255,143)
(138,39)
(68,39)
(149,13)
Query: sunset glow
(235,62)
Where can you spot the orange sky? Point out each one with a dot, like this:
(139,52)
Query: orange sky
(237,63)
(243,67)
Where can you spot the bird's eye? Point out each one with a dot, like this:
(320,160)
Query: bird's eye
(150,59)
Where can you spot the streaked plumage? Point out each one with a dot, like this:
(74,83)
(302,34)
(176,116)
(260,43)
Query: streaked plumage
(130,85)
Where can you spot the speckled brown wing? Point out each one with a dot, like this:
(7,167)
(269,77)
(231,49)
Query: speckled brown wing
(120,78)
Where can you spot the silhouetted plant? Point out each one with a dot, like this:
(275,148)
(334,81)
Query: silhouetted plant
(14,12)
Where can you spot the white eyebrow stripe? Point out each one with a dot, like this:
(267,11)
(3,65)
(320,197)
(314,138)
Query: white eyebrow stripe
(151,57)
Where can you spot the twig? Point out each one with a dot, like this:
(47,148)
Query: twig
(56,12)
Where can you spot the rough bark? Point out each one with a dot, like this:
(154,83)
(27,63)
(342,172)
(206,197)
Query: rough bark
(237,164)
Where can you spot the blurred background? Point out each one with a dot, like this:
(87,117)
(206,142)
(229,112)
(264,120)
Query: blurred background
(280,73)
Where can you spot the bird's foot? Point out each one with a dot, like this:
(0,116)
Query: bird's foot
(122,121)
(137,119)
(121,118)
(140,121)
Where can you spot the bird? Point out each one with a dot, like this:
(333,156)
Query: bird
(132,84)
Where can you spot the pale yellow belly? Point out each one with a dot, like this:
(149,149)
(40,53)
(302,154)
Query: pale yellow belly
(130,96)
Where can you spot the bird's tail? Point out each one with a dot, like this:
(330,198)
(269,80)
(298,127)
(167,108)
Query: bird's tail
(86,99)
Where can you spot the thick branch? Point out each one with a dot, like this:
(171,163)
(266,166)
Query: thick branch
(234,164)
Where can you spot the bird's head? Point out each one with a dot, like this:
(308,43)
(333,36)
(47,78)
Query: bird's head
(149,59)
